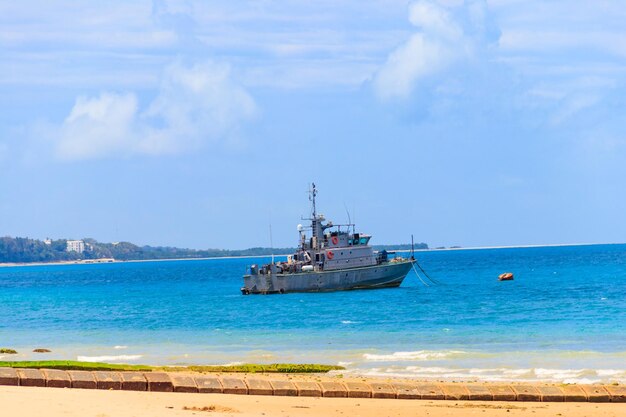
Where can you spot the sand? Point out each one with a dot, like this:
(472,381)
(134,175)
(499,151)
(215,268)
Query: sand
(58,402)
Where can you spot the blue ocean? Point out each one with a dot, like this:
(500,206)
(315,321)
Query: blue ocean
(563,318)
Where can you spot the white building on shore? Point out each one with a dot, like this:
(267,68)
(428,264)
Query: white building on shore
(75,246)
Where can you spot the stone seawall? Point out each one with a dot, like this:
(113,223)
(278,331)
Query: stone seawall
(309,386)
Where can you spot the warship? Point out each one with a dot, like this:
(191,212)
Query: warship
(330,259)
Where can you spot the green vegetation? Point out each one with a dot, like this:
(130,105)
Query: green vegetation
(403,246)
(248,368)
(8,351)
(73,365)
(24,250)
(29,250)
(283,368)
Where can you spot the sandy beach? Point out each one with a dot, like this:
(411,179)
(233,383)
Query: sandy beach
(67,402)
(31,401)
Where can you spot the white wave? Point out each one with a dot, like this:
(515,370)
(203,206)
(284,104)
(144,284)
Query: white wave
(120,347)
(479,371)
(419,355)
(108,358)
(434,370)
(344,364)
(585,381)
(348,322)
(517,372)
(611,372)
(559,374)
(568,376)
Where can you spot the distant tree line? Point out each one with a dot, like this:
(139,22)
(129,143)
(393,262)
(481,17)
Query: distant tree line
(404,246)
(24,250)
(21,249)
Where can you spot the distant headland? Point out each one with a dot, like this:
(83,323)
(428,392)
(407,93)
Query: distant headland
(26,250)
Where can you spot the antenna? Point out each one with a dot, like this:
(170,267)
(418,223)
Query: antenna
(271,243)
(348,213)
(312,194)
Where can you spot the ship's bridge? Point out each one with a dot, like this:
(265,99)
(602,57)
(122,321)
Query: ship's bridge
(343,239)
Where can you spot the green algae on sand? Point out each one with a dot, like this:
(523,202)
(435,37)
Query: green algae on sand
(99,366)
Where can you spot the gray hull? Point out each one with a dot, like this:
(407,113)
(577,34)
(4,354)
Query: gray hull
(379,276)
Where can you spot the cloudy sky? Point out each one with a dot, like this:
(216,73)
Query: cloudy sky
(199,123)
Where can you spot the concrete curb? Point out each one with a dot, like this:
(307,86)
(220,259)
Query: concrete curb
(306,387)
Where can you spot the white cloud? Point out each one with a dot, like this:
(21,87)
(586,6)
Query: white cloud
(573,106)
(447,33)
(434,20)
(411,62)
(307,44)
(98,126)
(194,105)
(155,39)
(560,41)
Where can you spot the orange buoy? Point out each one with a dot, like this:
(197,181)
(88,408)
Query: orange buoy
(507,276)
(335,240)
(330,254)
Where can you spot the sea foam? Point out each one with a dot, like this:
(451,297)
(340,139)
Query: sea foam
(418,355)
(109,358)
(568,376)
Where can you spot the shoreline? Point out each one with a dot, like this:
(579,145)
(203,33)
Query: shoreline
(117,261)
(546,245)
(586,371)
(294,384)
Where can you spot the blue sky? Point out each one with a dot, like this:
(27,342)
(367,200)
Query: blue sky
(199,123)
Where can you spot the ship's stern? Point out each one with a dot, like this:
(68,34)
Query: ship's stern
(257,282)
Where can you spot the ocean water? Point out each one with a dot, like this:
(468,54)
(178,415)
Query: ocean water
(563,318)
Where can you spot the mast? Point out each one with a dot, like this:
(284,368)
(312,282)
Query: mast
(312,194)
(271,243)
(315,221)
